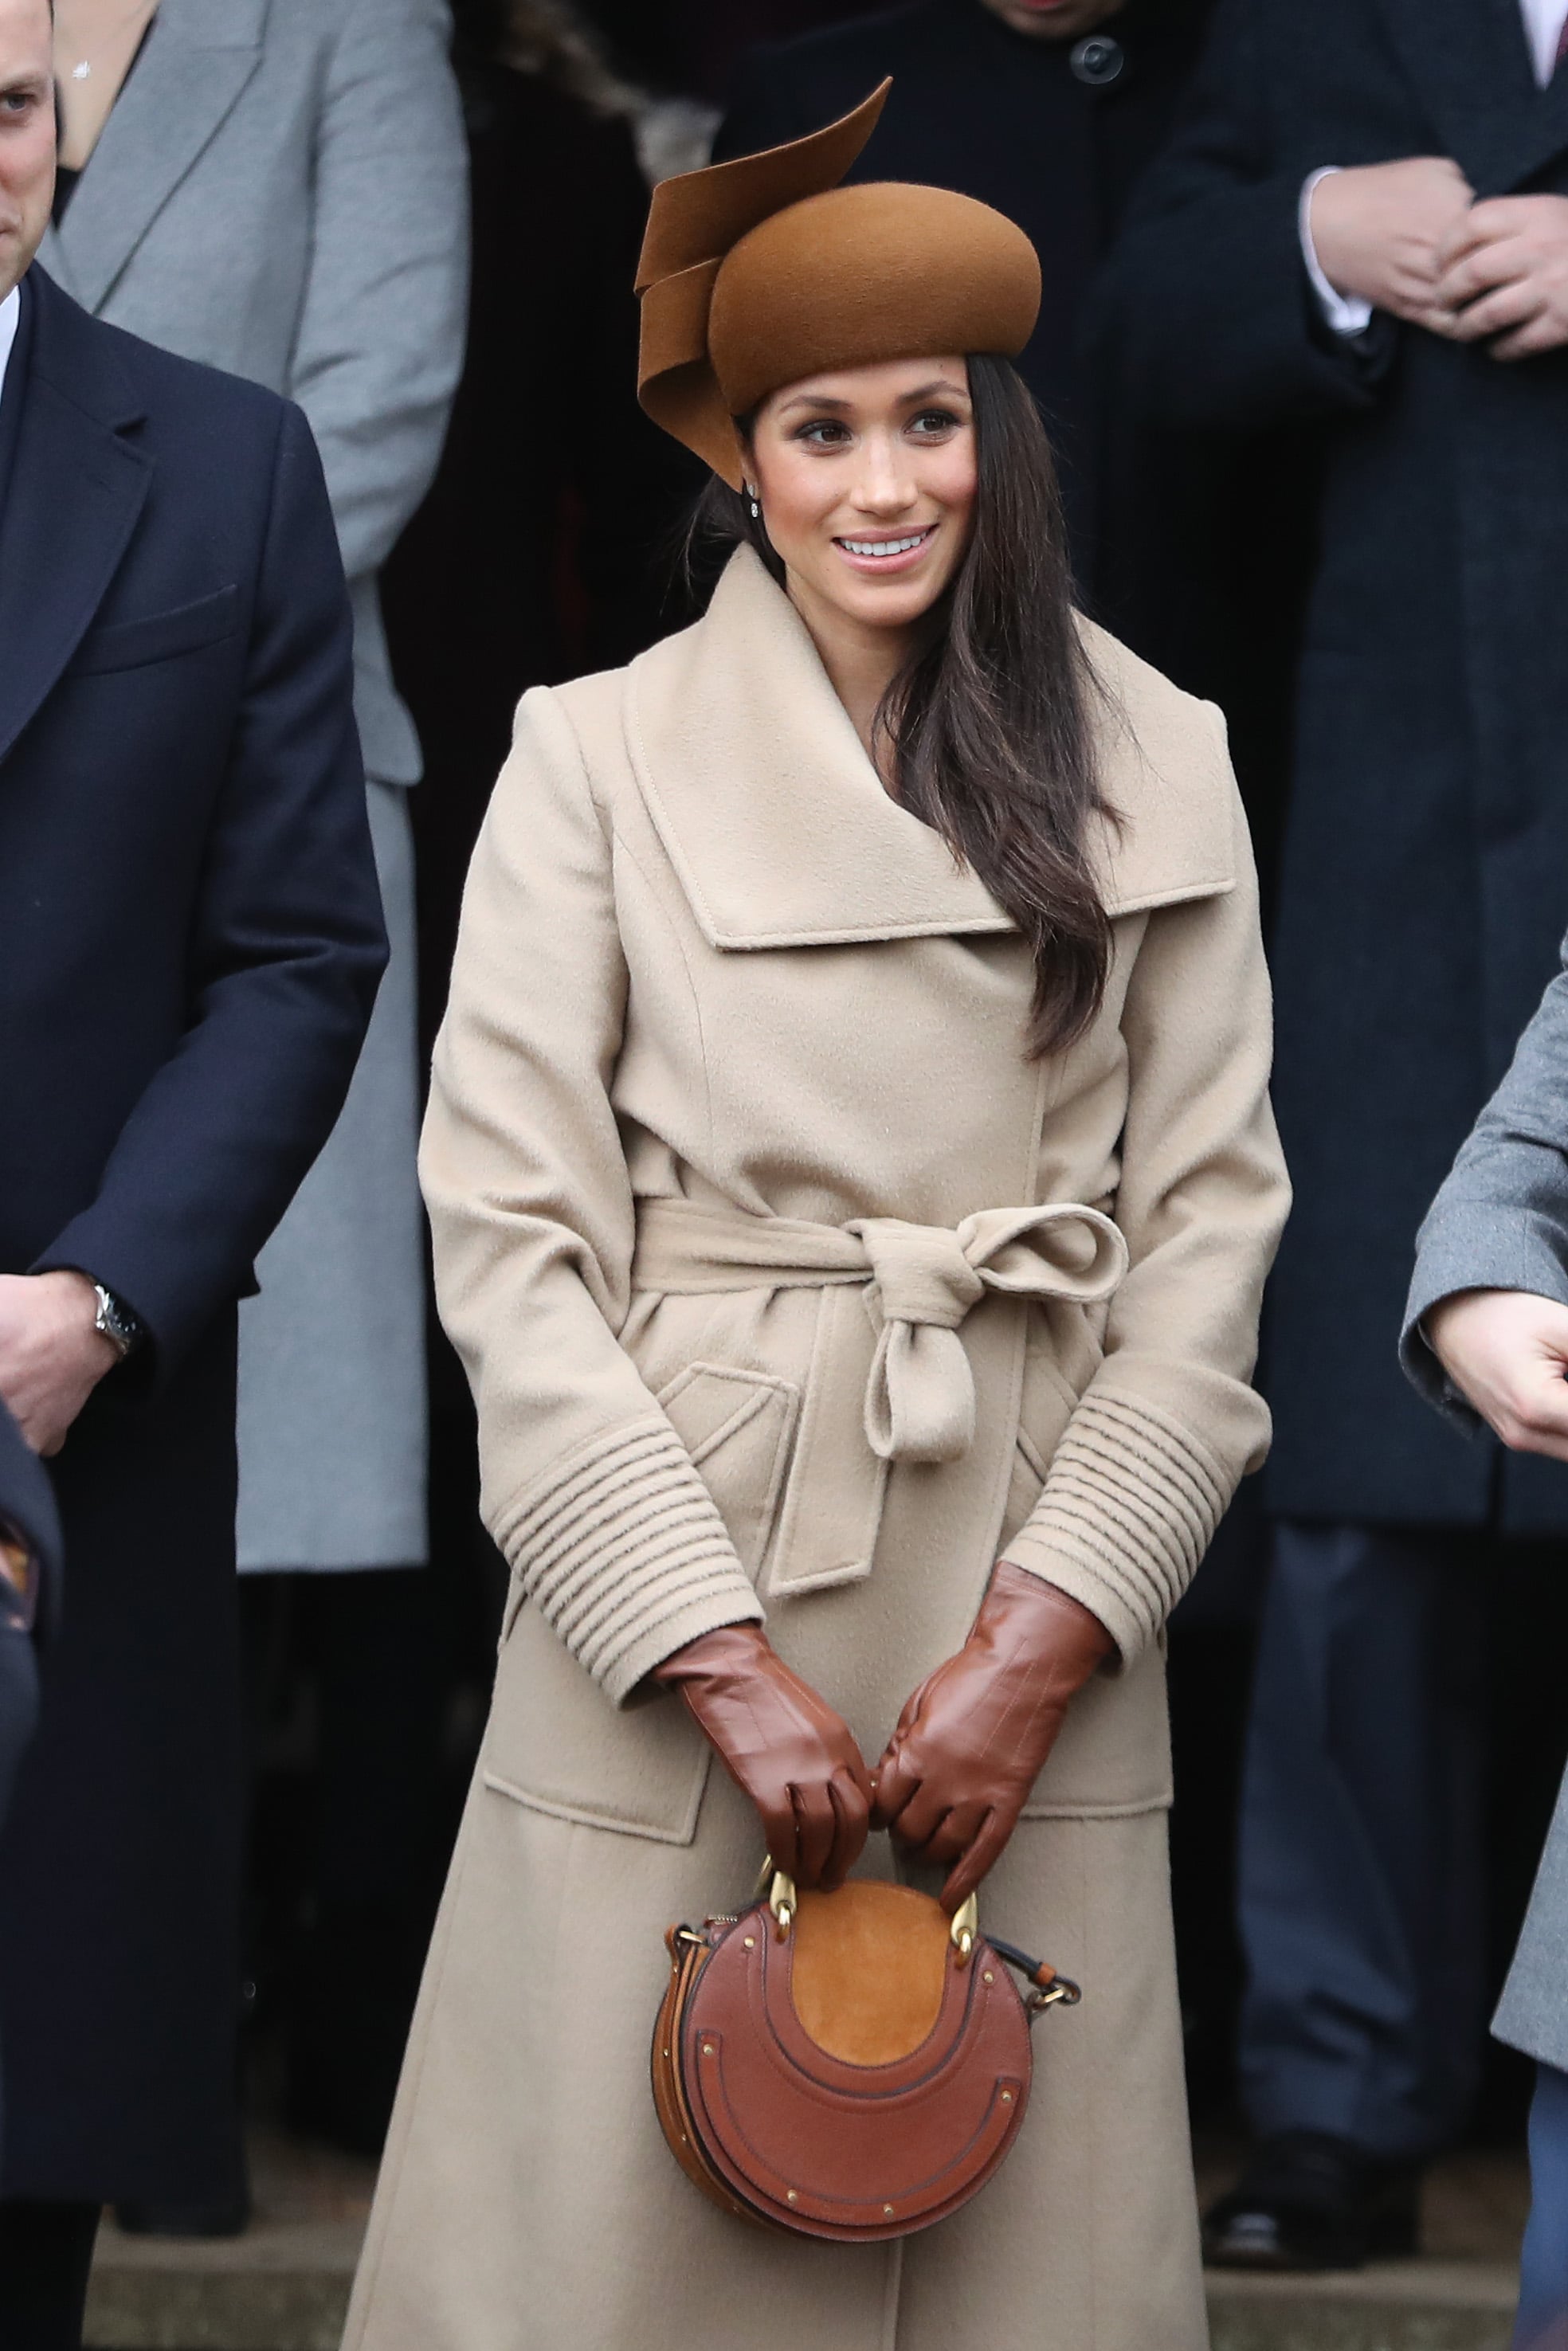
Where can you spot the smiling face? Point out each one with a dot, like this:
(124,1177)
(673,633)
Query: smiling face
(27,134)
(867,478)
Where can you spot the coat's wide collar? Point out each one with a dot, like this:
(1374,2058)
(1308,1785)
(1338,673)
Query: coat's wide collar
(767,804)
(780,828)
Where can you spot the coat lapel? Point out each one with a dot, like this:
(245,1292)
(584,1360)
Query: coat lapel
(76,487)
(199,55)
(782,835)
(769,808)
(1471,63)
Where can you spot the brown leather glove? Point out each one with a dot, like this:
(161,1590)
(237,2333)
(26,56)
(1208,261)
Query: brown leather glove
(973,1737)
(783,1746)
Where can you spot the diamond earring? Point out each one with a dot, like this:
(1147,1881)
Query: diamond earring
(756,509)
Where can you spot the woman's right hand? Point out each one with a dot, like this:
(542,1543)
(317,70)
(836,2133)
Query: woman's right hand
(783,1746)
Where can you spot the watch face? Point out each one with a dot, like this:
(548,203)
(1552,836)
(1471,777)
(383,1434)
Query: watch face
(114,1321)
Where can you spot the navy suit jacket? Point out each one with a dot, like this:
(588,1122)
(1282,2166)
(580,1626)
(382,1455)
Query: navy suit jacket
(190,929)
(190,944)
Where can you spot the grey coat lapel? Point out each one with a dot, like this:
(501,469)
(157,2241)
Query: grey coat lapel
(1471,63)
(200,55)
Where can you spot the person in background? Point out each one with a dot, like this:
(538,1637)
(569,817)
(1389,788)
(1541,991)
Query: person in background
(1361,226)
(692,47)
(190,944)
(1486,1341)
(279,189)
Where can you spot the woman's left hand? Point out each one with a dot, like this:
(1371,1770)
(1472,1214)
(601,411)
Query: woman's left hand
(973,1740)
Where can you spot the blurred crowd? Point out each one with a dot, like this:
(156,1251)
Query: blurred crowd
(1342,519)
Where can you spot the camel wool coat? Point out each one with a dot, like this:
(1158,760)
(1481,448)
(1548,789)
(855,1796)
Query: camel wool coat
(789,1288)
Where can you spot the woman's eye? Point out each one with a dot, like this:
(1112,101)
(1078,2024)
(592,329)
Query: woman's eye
(825,432)
(934,419)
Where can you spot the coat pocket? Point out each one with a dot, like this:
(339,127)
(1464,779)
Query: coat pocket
(157,636)
(1114,1755)
(739,1428)
(554,1743)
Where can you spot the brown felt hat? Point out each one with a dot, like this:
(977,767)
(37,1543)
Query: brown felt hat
(761,271)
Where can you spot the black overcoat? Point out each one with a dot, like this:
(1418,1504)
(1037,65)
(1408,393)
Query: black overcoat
(1425,885)
(189,941)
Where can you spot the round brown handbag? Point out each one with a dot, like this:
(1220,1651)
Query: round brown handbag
(853,2065)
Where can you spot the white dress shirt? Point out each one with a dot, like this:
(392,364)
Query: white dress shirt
(10,318)
(1347,314)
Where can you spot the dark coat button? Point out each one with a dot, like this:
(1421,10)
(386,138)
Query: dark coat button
(1099,60)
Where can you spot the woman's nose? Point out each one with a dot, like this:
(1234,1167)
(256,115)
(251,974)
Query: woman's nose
(885,486)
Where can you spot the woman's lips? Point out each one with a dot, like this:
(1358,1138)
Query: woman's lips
(877,553)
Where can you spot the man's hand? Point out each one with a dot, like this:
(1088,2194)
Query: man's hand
(51,1356)
(1507,1352)
(1380,231)
(1503,271)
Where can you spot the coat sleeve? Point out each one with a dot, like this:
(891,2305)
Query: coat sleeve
(584,1484)
(1206,315)
(286,953)
(1500,1220)
(1170,1423)
(379,343)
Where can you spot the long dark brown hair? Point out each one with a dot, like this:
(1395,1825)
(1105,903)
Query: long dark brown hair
(987,725)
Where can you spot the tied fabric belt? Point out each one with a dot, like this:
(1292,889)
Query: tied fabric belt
(920,1283)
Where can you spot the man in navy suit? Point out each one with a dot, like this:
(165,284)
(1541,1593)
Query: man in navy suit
(190,944)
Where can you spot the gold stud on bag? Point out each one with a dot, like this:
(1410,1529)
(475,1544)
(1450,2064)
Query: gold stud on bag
(851,2065)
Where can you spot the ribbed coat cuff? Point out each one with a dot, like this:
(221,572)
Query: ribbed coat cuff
(621,1549)
(1128,1508)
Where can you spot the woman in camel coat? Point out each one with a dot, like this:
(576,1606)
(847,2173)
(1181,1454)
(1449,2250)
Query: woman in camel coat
(798,1281)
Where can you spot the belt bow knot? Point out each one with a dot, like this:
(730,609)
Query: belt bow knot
(920,1398)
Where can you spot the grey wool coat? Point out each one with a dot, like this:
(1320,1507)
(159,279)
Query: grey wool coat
(789,1288)
(281,191)
(1500,1222)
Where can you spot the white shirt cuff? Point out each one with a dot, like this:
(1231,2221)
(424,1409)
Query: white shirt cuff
(1347,314)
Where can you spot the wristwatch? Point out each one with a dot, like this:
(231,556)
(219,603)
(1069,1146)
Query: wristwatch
(121,1327)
